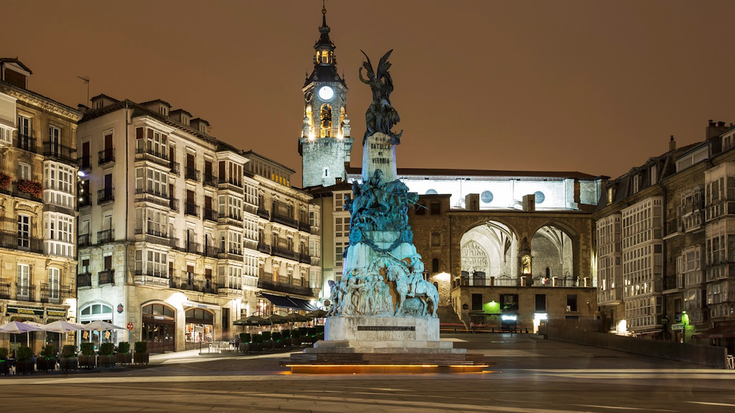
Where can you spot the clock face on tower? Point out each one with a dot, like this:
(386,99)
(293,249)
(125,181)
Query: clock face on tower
(326,93)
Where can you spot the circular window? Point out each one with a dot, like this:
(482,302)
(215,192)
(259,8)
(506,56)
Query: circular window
(487,197)
(540,197)
(431,192)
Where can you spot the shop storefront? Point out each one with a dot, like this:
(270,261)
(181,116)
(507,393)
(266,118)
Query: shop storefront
(199,327)
(94,312)
(159,328)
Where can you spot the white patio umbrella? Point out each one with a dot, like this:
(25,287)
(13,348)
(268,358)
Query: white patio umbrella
(99,325)
(17,327)
(62,326)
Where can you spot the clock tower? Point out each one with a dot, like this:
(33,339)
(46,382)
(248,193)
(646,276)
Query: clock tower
(325,141)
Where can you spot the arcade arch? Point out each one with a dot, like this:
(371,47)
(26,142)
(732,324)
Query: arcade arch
(489,255)
(552,250)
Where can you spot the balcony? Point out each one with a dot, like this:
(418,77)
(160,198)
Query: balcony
(106,156)
(192,247)
(191,174)
(173,204)
(231,184)
(305,259)
(106,277)
(85,163)
(230,219)
(25,188)
(264,213)
(151,278)
(228,291)
(155,237)
(264,248)
(285,288)
(84,280)
(26,293)
(175,168)
(211,251)
(61,152)
(4,290)
(231,254)
(211,180)
(210,214)
(285,220)
(105,236)
(150,195)
(150,154)
(22,242)
(286,253)
(105,195)
(84,240)
(192,209)
(54,295)
(304,226)
(25,142)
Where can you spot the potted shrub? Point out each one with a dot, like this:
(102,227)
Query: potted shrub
(296,338)
(123,355)
(24,363)
(286,337)
(47,360)
(141,352)
(30,187)
(107,355)
(276,338)
(257,344)
(4,180)
(88,359)
(245,342)
(68,360)
(311,335)
(4,363)
(267,342)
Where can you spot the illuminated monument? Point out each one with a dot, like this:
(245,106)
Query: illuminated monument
(383,313)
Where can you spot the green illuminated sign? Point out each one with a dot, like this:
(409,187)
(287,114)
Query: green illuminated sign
(491,308)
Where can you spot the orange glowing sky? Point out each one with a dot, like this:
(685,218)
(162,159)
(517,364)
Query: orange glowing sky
(591,86)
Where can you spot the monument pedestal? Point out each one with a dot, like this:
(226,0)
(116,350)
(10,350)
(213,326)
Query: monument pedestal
(376,344)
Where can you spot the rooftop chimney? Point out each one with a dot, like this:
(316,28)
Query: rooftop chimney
(714,129)
(672,144)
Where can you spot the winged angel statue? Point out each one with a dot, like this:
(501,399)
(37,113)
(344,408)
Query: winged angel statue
(380,116)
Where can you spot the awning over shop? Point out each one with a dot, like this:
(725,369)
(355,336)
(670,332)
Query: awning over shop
(289,302)
(717,332)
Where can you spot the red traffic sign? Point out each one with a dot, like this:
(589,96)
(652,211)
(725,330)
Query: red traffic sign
(130,326)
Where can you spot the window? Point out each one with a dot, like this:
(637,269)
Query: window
(342,227)
(24,126)
(157,144)
(435,265)
(24,171)
(421,208)
(157,182)
(476,302)
(509,302)
(54,283)
(435,208)
(609,195)
(436,239)
(541,303)
(58,184)
(572,303)
(58,234)
(24,281)
(54,138)
(24,231)
(339,248)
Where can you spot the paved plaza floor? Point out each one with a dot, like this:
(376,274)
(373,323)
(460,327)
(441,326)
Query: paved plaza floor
(531,375)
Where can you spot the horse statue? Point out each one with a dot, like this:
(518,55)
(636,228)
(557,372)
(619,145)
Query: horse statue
(423,290)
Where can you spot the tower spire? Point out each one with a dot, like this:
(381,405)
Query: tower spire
(324,13)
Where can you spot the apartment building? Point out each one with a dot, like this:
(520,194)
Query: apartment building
(38,176)
(167,231)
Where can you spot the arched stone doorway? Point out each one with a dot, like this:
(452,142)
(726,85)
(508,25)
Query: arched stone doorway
(159,327)
(552,253)
(489,255)
(199,327)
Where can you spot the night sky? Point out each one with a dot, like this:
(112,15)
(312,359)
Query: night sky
(590,86)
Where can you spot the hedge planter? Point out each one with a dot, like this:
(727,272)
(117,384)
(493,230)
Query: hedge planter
(88,359)
(70,363)
(4,367)
(25,367)
(123,358)
(141,352)
(141,358)
(107,361)
(45,364)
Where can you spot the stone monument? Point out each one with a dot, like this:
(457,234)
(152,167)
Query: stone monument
(382,309)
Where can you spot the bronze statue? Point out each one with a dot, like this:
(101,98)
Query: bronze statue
(380,116)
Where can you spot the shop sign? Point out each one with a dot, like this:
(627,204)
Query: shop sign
(677,326)
(56,312)
(120,308)
(26,310)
